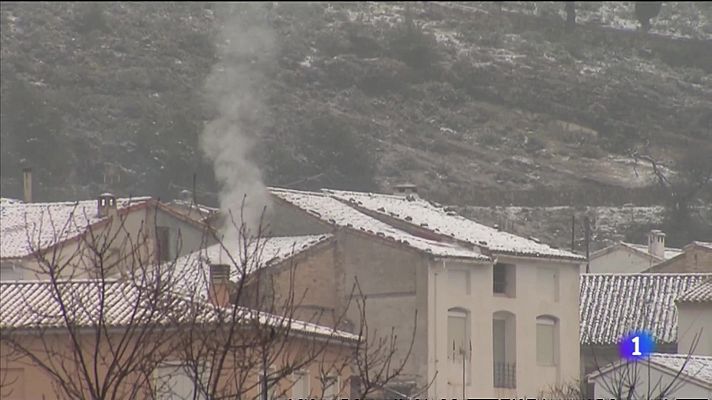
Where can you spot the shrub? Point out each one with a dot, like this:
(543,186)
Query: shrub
(91,18)
(415,47)
(490,139)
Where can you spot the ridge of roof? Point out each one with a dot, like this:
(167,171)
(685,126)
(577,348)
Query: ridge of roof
(424,214)
(331,210)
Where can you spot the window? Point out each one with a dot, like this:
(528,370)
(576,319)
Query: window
(458,335)
(503,279)
(300,388)
(459,281)
(504,349)
(546,341)
(175,382)
(272,386)
(331,386)
(163,243)
(10,272)
(548,283)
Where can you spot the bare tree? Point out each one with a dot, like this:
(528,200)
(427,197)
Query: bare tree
(632,380)
(114,324)
(691,183)
(95,336)
(379,362)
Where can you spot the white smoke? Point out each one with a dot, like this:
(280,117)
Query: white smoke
(245,45)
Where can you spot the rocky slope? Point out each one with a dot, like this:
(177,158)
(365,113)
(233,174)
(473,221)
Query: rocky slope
(475,103)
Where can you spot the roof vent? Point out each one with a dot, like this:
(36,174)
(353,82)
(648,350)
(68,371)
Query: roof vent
(106,203)
(219,272)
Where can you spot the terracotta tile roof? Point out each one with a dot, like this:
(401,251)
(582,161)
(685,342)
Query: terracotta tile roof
(331,210)
(694,368)
(33,305)
(701,293)
(435,218)
(46,224)
(612,305)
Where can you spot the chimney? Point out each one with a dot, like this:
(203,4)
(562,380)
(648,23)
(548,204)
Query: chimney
(106,204)
(656,244)
(406,189)
(27,184)
(219,290)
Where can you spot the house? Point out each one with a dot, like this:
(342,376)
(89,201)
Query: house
(612,305)
(631,258)
(670,376)
(695,257)
(133,344)
(472,295)
(694,309)
(66,231)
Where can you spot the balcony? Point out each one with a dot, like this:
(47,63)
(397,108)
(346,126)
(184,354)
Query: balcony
(505,375)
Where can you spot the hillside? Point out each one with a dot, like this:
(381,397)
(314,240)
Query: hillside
(477,105)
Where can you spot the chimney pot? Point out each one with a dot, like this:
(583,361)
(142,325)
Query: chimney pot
(27,184)
(656,244)
(106,203)
(219,290)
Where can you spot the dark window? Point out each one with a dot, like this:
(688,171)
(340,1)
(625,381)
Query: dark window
(503,279)
(163,235)
(500,278)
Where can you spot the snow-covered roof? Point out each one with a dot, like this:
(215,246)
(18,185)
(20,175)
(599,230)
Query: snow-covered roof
(192,271)
(697,367)
(706,245)
(33,304)
(330,210)
(612,305)
(437,219)
(701,293)
(46,224)
(692,367)
(670,252)
(7,201)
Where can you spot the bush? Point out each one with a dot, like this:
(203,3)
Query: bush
(533,143)
(490,139)
(412,45)
(383,76)
(91,18)
(333,147)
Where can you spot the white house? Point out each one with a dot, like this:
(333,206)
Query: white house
(497,314)
(670,376)
(66,230)
(694,309)
(631,258)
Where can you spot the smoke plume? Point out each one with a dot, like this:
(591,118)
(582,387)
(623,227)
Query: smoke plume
(246,44)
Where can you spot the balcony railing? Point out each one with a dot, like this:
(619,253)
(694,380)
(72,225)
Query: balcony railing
(505,375)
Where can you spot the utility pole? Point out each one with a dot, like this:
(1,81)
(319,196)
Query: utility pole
(573,231)
(587,228)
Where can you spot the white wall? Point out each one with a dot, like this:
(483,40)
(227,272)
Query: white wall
(621,261)
(694,318)
(529,302)
(646,379)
